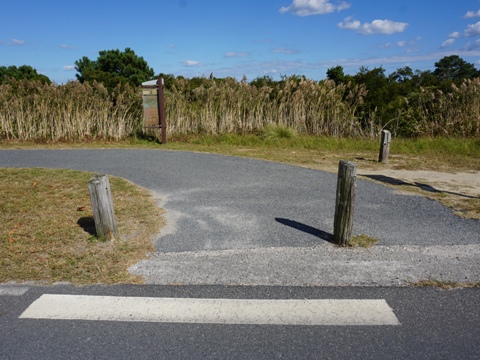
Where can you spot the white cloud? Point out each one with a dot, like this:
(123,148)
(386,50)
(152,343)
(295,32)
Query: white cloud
(284,51)
(314,7)
(236,54)
(386,27)
(13,42)
(69,67)
(448,42)
(400,59)
(472,14)
(473,29)
(190,63)
(406,45)
(65,46)
(388,45)
(17,42)
(472,46)
(451,39)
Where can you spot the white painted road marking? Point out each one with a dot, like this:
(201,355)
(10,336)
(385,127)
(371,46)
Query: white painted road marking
(13,290)
(212,311)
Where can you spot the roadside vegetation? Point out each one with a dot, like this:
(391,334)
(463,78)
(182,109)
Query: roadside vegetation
(106,104)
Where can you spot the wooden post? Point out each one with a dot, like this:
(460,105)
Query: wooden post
(343,222)
(161,110)
(385,146)
(102,205)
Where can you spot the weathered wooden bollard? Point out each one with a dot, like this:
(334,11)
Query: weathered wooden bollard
(345,199)
(385,146)
(102,205)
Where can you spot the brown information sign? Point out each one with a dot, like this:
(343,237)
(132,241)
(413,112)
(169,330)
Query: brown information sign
(150,108)
(154,107)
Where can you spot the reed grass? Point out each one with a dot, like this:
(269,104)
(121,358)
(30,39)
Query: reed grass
(230,106)
(433,113)
(32,111)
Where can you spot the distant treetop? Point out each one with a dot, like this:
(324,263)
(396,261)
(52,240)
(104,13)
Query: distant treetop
(454,68)
(114,67)
(20,73)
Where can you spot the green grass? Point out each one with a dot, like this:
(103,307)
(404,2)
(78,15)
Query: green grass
(437,145)
(276,132)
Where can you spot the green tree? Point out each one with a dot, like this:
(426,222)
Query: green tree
(262,81)
(22,72)
(114,67)
(336,74)
(454,68)
(168,80)
(402,75)
(377,85)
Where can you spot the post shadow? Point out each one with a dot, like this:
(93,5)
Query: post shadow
(87,223)
(306,229)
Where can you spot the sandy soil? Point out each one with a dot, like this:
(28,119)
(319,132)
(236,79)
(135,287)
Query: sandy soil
(462,183)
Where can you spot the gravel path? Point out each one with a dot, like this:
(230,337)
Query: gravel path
(240,221)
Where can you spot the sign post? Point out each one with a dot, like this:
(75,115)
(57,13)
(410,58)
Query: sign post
(154,107)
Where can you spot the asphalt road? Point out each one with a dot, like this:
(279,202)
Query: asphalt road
(434,324)
(237,221)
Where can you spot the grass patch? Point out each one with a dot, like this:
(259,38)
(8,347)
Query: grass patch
(47,232)
(363,241)
(324,152)
(274,132)
(441,154)
(445,285)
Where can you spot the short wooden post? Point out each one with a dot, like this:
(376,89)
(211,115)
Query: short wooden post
(345,199)
(385,146)
(102,205)
(161,109)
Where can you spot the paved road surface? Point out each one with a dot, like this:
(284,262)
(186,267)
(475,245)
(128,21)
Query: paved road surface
(236,221)
(432,324)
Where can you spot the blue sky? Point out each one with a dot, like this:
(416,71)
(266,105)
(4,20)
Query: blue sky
(240,37)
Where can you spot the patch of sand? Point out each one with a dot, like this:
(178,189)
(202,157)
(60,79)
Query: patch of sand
(462,183)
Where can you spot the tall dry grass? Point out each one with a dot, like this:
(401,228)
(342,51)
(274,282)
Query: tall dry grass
(31,111)
(229,106)
(433,113)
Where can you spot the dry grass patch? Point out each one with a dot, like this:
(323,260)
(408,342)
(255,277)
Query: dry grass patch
(363,241)
(47,232)
(445,285)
